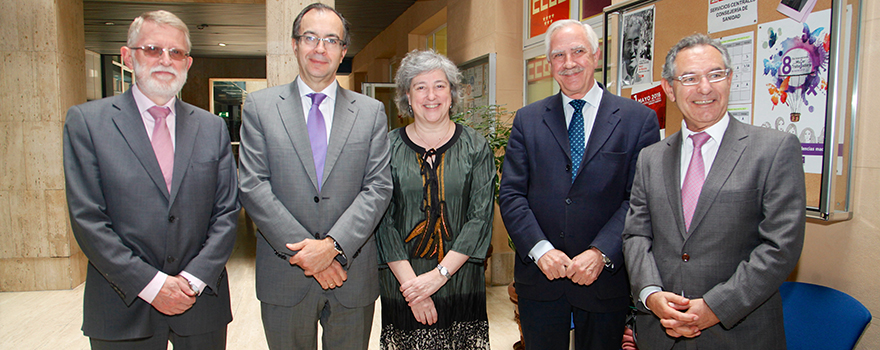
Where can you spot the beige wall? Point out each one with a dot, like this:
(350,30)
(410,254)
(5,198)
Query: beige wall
(845,255)
(42,73)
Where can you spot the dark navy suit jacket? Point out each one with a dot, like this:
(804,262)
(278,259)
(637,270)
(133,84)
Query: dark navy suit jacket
(539,201)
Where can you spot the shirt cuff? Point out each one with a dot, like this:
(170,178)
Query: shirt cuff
(152,289)
(542,247)
(646,292)
(193,280)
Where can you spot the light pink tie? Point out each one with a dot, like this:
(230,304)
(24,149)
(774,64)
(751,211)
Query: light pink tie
(693,179)
(162,143)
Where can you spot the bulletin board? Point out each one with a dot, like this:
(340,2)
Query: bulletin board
(794,72)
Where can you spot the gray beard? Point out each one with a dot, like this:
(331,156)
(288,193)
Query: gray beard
(154,87)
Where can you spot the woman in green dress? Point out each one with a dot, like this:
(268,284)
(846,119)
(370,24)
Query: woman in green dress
(435,234)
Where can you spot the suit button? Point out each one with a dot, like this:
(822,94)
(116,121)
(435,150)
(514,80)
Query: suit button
(568,167)
(562,235)
(171,218)
(317,199)
(170,259)
(568,201)
(685,257)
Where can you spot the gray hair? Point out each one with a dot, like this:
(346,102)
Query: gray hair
(417,62)
(297,23)
(592,38)
(160,17)
(693,40)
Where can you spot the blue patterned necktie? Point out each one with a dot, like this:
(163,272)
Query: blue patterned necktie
(317,135)
(576,136)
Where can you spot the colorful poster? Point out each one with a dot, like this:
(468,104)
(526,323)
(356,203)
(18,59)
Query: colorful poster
(655,99)
(637,50)
(544,12)
(730,14)
(792,81)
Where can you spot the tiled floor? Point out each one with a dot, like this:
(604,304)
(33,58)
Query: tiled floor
(52,320)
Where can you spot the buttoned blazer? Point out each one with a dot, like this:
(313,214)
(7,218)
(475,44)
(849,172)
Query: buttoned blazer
(745,237)
(128,224)
(279,190)
(539,201)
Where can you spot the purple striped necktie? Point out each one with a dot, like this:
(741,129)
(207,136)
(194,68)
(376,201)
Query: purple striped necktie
(693,179)
(317,134)
(162,142)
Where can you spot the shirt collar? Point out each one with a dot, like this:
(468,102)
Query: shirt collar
(304,89)
(716,131)
(593,97)
(144,103)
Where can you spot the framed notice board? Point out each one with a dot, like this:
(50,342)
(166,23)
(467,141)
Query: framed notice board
(795,69)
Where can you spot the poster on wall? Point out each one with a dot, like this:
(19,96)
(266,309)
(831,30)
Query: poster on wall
(542,13)
(637,51)
(590,8)
(654,97)
(791,80)
(742,59)
(730,14)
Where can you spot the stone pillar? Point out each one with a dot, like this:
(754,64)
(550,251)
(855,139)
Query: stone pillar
(42,73)
(281,66)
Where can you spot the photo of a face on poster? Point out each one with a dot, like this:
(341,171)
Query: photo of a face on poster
(636,53)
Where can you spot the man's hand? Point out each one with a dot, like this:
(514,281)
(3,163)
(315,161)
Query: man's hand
(670,307)
(422,287)
(629,342)
(332,277)
(313,255)
(425,312)
(585,267)
(705,317)
(175,297)
(553,264)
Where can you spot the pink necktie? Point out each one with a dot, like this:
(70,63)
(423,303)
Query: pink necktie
(162,142)
(693,180)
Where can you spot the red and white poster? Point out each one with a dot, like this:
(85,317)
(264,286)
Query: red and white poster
(655,99)
(542,13)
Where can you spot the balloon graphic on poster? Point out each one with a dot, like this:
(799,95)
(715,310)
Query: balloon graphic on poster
(796,64)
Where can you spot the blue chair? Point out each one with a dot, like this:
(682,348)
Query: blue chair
(818,317)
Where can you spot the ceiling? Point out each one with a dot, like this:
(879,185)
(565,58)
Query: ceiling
(242,27)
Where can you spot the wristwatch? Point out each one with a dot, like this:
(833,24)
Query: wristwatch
(607,261)
(444,271)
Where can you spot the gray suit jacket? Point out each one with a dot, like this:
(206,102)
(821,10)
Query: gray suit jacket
(129,226)
(745,238)
(279,190)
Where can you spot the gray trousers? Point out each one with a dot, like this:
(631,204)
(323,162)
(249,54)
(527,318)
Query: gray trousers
(296,327)
(215,340)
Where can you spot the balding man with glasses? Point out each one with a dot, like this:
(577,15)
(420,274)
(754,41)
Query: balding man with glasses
(716,217)
(315,179)
(153,200)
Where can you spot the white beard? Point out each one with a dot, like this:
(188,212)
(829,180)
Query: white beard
(155,87)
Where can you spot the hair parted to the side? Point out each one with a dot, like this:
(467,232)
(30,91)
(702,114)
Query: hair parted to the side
(592,38)
(160,17)
(297,23)
(417,62)
(693,40)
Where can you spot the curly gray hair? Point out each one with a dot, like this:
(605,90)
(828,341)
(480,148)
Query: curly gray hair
(417,62)
(693,40)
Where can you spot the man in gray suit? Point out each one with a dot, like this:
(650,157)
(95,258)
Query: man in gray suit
(315,179)
(716,219)
(151,189)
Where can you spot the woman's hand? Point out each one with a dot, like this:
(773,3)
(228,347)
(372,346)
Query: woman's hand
(425,312)
(422,287)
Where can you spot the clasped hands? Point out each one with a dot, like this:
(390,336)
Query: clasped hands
(175,297)
(584,269)
(682,317)
(317,259)
(418,292)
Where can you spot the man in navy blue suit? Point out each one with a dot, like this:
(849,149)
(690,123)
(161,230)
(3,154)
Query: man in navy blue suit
(564,196)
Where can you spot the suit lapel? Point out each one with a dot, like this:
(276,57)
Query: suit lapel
(290,110)
(729,152)
(344,115)
(606,120)
(554,118)
(186,128)
(131,126)
(672,178)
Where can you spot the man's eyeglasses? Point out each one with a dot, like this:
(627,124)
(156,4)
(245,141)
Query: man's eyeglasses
(153,51)
(694,79)
(312,41)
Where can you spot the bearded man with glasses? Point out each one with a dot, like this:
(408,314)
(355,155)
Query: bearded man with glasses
(716,217)
(153,200)
(315,179)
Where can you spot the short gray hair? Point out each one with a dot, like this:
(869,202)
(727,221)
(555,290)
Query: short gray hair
(693,40)
(160,17)
(297,22)
(592,38)
(417,62)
